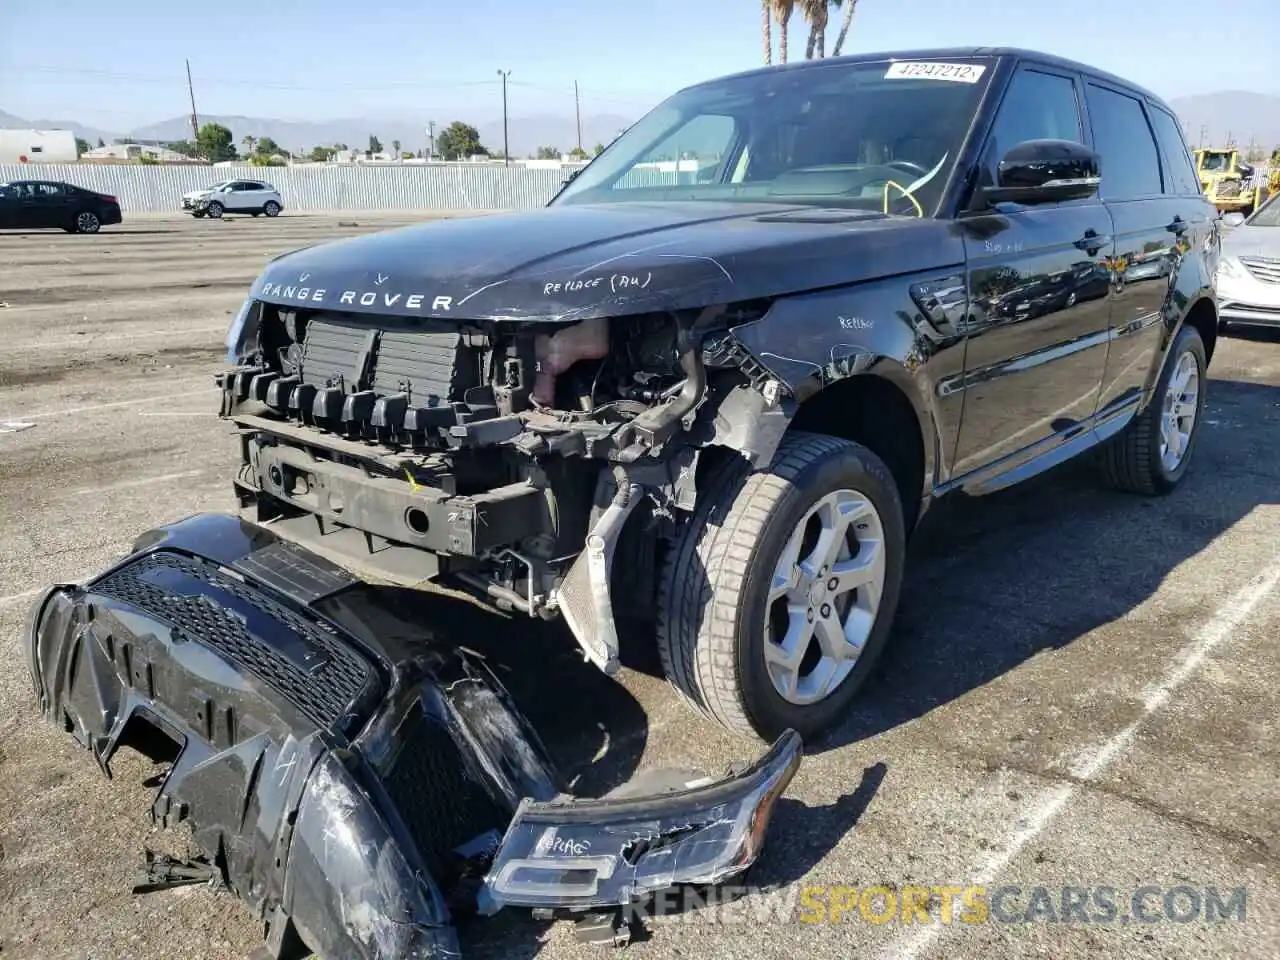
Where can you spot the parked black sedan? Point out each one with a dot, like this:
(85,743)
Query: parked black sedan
(28,204)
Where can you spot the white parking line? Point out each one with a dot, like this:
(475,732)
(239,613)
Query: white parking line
(39,414)
(1049,804)
(92,340)
(15,597)
(143,482)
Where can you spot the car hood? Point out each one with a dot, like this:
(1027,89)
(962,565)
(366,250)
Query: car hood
(1247,241)
(575,262)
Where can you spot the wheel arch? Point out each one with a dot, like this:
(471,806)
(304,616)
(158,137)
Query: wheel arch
(875,409)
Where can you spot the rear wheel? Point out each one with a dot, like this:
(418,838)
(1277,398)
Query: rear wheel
(214,209)
(87,221)
(198,214)
(777,599)
(1152,455)
(272,209)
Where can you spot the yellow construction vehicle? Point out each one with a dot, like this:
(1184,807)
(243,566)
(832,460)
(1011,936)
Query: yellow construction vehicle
(1228,181)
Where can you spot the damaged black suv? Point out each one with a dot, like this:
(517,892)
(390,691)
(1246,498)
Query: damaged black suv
(716,382)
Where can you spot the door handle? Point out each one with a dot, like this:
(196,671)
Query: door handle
(1092,242)
(1178,226)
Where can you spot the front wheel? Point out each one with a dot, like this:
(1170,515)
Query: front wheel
(1151,456)
(777,599)
(198,214)
(214,209)
(272,209)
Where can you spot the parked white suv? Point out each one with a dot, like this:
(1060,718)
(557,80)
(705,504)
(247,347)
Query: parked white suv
(234,196)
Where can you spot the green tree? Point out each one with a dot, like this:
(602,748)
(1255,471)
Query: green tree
(459,140)
(395,147)
(578,153)
(322,154)
(597,150)
(267,147)
(216,143)
(148,159)
(82,146)
(249,140)
(815,11)
(101,143)
(375,145)
(184,147)
(548,153)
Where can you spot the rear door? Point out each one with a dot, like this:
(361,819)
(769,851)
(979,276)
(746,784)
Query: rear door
(53,205)
(1036,347)
(1148,225)
(251,195)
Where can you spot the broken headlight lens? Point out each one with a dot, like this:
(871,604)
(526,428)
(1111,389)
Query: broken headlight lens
(608,852)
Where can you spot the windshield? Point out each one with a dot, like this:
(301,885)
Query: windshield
(879,136)
(1267,215)
(1216,162)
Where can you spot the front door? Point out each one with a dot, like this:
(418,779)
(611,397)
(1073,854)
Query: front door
(1037,277)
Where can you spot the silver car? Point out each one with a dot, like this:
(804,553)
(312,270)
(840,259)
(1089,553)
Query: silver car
(1249,272)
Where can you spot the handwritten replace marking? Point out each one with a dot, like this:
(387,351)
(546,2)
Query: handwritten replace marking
(855,323)
(1220,627)
(920,70)
(571,286)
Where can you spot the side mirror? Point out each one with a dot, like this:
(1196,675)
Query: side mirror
(1233,219)
(1046,171)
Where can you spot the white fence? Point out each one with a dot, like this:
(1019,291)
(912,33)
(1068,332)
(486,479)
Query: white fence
(442,187)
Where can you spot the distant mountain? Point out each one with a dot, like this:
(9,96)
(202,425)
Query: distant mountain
(1241,115)
(92,134)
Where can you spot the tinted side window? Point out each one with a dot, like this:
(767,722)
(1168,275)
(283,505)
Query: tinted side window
(1130,162)
(1182,177)
(1037,106)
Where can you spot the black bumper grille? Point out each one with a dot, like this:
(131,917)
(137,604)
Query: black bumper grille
(311,668)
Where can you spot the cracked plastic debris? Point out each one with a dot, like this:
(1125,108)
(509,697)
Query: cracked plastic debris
(610,852)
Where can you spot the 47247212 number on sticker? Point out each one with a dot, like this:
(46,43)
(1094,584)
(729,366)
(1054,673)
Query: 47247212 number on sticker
(919,70)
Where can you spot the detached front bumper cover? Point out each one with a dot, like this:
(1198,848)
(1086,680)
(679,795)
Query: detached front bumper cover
(355,778)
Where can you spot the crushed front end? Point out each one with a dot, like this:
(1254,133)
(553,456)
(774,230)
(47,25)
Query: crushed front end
(357,780)
(503,457)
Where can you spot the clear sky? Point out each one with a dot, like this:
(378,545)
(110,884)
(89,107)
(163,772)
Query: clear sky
(119,63)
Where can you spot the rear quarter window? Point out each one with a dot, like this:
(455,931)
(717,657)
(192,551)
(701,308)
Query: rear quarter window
(1181,179)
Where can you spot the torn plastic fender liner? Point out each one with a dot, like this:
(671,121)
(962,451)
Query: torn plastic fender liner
(351,774)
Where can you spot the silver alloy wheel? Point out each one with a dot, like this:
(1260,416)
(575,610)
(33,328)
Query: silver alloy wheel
(824,597)
(271,209)
(1178,416)
(87,222)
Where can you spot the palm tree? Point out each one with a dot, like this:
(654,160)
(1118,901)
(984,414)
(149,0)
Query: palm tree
(766,30)
(395,148)
(815,11)
(248,140)
(782,9)
(849,7)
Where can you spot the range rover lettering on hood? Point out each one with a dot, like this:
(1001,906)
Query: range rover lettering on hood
(297,292)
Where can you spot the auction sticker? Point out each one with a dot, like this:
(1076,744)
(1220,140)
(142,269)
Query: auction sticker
(955,72)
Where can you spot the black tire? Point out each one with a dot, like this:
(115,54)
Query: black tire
(86,221)
(1132,462)
(198,214)
(271,209)
(214,209)
(256,214)
(714,586)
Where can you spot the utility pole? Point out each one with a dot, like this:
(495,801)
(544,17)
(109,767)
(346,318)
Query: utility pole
(431,136)
(577,112)
(506,149)
(1204,131)
(195,125)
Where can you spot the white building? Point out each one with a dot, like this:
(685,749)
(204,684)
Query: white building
(37,146)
